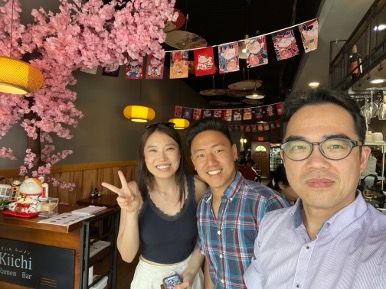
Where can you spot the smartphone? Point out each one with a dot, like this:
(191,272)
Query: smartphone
(171,281)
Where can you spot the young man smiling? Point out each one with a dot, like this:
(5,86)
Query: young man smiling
(331,238)
(229,214)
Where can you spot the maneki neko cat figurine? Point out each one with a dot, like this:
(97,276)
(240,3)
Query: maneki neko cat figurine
(31,191)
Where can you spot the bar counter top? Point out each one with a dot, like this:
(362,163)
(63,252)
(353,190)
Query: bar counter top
(33,223)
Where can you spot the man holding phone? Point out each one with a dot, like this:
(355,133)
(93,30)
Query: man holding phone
(229,214)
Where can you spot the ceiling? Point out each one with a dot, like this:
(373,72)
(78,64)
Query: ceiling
(337,21)
(222,21)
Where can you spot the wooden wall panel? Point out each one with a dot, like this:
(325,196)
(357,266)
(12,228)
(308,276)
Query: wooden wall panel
(86,177)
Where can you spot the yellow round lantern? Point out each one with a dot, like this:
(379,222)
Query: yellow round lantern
(139,113)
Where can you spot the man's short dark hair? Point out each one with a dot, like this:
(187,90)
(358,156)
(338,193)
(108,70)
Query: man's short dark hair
(324,96)
(208,123)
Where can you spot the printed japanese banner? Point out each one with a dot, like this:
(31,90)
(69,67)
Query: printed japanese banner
(258,113)
(196,113)
(247,114)
(285,44)
(204,61)
(207,113)
(260,127)
(309,32)
(178,111)
(256,51)
(217,113)
(187,112)
(227,114)
(236,114)
(179,64)
(279,108)
(270,110)
(134,68)
(228,57)
(154,67)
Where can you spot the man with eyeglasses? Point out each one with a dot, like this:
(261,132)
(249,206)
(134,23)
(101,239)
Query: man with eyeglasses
(331,238)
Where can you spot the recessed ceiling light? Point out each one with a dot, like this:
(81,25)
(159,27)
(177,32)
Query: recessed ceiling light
(314,84)
(380,27)
(378,80)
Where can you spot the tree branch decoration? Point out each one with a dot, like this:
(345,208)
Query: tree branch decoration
(81,35)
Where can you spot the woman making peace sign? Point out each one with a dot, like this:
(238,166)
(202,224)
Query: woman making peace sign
(158,209)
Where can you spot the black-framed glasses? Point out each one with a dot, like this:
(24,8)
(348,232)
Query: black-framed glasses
(331,148)
(169,124)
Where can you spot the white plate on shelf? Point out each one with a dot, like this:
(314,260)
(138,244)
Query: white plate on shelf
(375,143)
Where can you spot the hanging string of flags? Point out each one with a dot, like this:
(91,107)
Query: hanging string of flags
(284,43)
(257,113)
(285,46)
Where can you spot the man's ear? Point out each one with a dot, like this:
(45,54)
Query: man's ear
(282,155)
(281,185)
(234,152)
(365,153)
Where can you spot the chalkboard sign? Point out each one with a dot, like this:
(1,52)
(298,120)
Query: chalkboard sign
(36,266)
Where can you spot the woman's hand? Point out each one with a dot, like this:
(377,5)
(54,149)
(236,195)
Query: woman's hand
(128,199)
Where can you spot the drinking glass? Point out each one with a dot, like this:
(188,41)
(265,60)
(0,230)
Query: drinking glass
(49,207)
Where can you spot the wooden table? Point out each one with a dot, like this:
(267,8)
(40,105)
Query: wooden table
(109,201)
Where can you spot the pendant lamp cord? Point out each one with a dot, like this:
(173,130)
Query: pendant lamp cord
(11,32)
(140,91)
(187,15)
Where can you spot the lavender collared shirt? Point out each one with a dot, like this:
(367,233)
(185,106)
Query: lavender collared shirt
(349,251)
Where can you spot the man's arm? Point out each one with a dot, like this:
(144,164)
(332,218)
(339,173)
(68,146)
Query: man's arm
(207,281)
(191,270)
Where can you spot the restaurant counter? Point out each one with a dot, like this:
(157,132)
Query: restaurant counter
(37,255)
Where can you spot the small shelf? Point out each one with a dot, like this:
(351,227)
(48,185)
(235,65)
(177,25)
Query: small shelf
(99,250)
(375,143)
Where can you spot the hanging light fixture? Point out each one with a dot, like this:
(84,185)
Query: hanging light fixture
(255,93)
(139,113)
(180,123)
(17,76)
